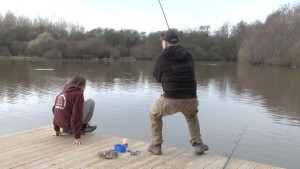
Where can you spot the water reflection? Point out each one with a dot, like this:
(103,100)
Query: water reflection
(231,96)
(277,88)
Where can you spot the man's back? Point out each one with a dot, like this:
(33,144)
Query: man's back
(174,69)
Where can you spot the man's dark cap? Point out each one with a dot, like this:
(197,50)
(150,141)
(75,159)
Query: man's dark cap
(170,36)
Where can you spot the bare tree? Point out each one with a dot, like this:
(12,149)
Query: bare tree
(272,42)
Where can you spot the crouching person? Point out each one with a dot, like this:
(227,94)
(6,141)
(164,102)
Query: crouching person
(71,112)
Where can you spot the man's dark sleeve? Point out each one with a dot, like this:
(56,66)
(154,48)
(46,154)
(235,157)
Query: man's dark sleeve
(157,69)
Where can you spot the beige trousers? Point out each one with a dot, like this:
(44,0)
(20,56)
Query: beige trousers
(165,106)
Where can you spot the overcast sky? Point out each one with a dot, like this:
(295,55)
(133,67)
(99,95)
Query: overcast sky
(145,15)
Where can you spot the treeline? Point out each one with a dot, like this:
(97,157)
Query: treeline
(277,41)
(21,36)
(274,42)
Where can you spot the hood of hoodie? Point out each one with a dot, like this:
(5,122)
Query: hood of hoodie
(71,88)
(175,53)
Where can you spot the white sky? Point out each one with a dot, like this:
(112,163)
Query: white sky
(145,15)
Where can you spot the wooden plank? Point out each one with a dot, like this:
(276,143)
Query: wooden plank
(248,165)
(38,149)
(219,163)
(150,160)
(263,166)
(181,161)
(144,158)
(274,167)
(24,139)
(235,163)
(56,145)
(204,161)
(63,155)
(106,162)
(93,158)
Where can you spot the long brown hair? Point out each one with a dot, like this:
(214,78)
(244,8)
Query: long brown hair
(77,80)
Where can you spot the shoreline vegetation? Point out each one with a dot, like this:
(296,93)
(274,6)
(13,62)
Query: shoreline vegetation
(275,41)
(20,58)
(42,58)
(95,59)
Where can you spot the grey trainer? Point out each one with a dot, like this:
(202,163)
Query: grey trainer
(67,131)
(155,149)
(200,148)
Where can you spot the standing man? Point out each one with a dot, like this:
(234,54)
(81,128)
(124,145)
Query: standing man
(71,112)
(174,69)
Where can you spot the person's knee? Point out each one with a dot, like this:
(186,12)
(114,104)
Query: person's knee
(155,115)
(151,115)
(91,102)
(191,115)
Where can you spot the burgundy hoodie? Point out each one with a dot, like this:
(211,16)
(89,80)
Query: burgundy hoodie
(68,110)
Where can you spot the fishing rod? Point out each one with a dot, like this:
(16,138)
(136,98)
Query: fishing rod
(236,144)
(164,14)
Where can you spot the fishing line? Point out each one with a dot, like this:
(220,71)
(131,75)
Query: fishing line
(236,144)
(164,14)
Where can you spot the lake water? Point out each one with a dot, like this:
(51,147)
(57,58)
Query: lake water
(262,101)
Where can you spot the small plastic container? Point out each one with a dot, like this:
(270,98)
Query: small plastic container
(120,148)
(125,142)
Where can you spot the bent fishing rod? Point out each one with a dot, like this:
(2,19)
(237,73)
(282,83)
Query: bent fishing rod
(163,13)
(236,144)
